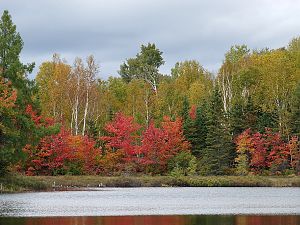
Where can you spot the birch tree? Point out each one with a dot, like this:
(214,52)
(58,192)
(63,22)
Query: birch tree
(144,66)
(89,81)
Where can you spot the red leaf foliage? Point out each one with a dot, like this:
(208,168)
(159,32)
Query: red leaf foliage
(8,96)
(266,151)
(38,119)
(160,144)
(123,135)
(57,154)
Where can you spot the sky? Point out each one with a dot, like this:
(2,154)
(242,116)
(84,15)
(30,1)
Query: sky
(114,30)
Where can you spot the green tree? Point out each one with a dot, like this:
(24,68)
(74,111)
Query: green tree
(194,127)
(201,129)
(295,113)
(7,130)
(11,45)
(144,66)
(185,110)
(17,126)
(219,152)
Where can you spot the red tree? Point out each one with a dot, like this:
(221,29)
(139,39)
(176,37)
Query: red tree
(161,144)
(294,151)
(267,151)
(62,153)
(258,153)
(278,157)
(153,146)
(123,135)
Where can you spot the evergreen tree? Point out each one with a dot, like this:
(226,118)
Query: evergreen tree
(266,120)
(201,124)
(295,114)
(198,132)
(185,110)
(243,116)
(194,129)
(13,73)
(237,119)
(11,68)
(219,152)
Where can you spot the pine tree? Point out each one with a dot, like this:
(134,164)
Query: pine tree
(295,114)
(194,129)
(185,110)
(13,72)
(219,152)
(197,132)
(237,119)
(188,123)
(11,68)
(244,116)
(267,120)
(201,127)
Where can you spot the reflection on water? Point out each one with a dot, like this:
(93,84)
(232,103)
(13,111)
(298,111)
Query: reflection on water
(155,220)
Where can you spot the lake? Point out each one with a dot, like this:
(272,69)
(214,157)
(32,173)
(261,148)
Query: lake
(217,205)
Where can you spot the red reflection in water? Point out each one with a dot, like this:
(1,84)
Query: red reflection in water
(155,220)
(109,220)
(272,220)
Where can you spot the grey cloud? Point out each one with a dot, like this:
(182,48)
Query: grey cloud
(113,30)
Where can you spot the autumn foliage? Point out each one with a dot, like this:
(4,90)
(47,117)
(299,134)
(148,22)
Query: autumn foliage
(159,145)
(124,150)
(266,153)
(130,148)
(8,95)
(149,151)
(122,135)
(62,153)
(38,120)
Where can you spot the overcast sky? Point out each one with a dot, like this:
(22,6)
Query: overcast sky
(113,30)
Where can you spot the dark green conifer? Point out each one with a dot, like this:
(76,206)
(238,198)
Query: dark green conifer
(219,152)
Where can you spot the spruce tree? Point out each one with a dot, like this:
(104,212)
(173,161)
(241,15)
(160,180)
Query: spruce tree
(267,120)
(200,127)
(194,129)
(243,116)
(219,152)
(11,68)
(13,72)
(237,119)
(185,109)
(295,112)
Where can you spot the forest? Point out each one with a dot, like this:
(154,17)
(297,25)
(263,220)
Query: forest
(244,119)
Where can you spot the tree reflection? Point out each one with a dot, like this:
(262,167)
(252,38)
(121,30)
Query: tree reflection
(154,220)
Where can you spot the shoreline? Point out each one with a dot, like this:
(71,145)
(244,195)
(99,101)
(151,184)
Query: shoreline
(19,183)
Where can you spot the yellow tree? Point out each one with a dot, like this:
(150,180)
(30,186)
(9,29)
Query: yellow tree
(140,101)
(278,79)
(228,74)
(169,101)
(53,80)
(192,81)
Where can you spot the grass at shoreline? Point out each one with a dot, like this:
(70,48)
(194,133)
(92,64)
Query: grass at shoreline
(17,183)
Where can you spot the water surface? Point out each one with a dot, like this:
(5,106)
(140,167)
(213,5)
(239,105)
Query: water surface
(153,201)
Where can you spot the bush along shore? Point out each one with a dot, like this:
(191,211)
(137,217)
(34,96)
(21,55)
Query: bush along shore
(63,183)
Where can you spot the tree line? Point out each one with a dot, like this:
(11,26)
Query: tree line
(243,119)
